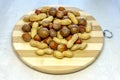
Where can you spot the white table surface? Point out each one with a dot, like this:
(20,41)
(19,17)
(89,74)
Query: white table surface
(107,66)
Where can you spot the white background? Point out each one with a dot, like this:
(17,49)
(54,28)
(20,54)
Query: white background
(107,66)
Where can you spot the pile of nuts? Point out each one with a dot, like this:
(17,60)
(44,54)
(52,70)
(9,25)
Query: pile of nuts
(56,31)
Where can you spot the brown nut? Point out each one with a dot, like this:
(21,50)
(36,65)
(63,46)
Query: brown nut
(26,37)
(26,28)
(81,29)
(30,24)
(37,11)
(65,32)
(47,40)
(69,37)
(82,21)
(65,13)
(50,25)
(52,11)
(62,47)
(78,41)
(61,8)
(74,29)
(45,23)
(59,14)
(43,32)
(53,33)
(53,45)
(57,26)
(37,38)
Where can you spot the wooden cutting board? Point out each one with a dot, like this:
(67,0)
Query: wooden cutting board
(50,64)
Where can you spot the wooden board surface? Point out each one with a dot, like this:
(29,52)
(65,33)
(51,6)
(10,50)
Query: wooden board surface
(50,64)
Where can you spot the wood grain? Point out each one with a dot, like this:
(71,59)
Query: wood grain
(49,64)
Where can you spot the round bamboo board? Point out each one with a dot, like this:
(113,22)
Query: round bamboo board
(50,64)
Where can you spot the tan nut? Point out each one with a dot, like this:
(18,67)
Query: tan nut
(68,53)
(58,54)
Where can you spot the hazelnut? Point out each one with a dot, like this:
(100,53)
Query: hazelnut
(59,14)
(62,47)
(74,29)
(37,38)
(52,11)
(81,28)
(61,8)
(53,33)
(65,32)
(26,28)
(37,11)
(69,37)
(26,37)
(43,32)
(50,25)
(45,23)
(57,26)
(65,13)
(53,45)
(47,40)
(30,24)
(82,21)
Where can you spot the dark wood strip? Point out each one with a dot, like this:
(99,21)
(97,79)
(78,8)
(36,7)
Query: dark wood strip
(78,53)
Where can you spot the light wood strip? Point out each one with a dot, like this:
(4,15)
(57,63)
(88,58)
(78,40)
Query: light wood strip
(79,53)
(26,46)
(23,46)
(94,40)
(90,18)
(96,34)
(20,22)
(59,69)
(36,61)
(94,23)
(82,13)
(96,28)
(31,12)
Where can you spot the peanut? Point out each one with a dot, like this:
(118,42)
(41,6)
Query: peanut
(58,54)
(60,41)
(72,41)
(34,29)
(73,18)
(88,28)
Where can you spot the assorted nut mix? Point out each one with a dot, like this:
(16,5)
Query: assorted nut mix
(56,31)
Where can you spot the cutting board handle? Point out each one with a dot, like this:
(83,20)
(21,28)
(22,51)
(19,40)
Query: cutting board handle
(107,34)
